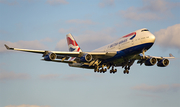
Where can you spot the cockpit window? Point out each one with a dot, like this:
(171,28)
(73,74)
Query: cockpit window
(144,30)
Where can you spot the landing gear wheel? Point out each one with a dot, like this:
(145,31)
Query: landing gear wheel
(97,70)
(124,71)
(110,71)
(101,70)
(94,69)
(104,70)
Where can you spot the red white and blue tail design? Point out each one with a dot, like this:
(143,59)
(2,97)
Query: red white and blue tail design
(72,44)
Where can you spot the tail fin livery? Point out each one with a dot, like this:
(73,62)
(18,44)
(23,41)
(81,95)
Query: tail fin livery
(72,44)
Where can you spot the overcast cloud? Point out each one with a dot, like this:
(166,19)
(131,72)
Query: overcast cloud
(158,88)
(169,37)
(13,76)
(106,3)
(151,10)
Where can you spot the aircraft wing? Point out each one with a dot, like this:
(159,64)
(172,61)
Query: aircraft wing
(158,58)
(170,57)
(151,60)
(60,61)
(65,54)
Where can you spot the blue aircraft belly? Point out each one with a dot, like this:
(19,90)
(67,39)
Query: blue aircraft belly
(130,51)
(125,53)
(137,49)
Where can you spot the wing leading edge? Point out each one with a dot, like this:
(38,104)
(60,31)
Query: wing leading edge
(62,54)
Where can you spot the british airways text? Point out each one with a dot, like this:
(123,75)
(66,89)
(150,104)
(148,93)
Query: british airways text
(114,44)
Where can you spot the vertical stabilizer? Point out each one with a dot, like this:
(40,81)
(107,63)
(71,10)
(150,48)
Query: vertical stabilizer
(72,44)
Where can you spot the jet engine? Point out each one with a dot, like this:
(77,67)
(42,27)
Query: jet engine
(151,61)
(86,58)
(50,57)
(163,63)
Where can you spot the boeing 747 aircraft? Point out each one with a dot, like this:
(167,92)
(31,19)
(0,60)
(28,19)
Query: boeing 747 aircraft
(121,53)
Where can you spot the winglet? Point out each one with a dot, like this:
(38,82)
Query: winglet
(8,48)
(170,55)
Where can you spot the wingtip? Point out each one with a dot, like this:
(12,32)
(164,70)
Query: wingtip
(170,55)
(8,48)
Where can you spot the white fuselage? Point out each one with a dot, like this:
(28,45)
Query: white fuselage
(140,37)
(126,46)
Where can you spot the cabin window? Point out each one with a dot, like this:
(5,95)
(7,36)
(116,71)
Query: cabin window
(143,38)
(144,30)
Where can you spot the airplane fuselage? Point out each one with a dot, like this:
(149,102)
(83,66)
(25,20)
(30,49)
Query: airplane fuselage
(137,38)
(126,46)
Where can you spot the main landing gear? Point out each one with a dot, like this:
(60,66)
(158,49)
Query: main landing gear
(100,70)
(113,70)
(126,70)
(127,66)
(103,70)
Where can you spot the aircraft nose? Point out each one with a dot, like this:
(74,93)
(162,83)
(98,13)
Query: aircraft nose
(152,38)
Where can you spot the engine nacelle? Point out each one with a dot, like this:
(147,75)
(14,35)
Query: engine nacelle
(86,58)
(151,61)
(163,63)
(50,57)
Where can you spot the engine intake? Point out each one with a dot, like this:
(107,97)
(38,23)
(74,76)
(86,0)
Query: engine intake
(151,61)
(50,57)
(163,63)
(86,58)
